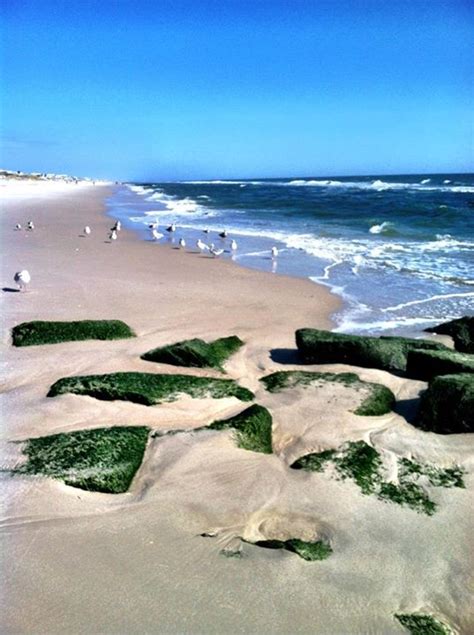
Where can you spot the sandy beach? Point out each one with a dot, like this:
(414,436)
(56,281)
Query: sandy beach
(84,562)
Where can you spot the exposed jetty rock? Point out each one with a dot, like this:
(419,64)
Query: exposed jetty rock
(447,407)
(428,364)
(42,332)
(148,388)
(386,353)
(253,429)
(461,330)
(99,460)
(377,400)
(196,352)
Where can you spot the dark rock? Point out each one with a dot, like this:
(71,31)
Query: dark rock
(461,330)
(447,407)
(428,364)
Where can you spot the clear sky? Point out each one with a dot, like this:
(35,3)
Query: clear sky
(155,89)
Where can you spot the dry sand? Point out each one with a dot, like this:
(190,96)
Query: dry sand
(81,562)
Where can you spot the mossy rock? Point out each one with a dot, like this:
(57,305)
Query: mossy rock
(196,352)
(386,353)
(447,407)
(148,388)
(309,551)
(420,624)
(428,364)
(253,429)
(461,330)
(379,401)
(99,460)
(41,332)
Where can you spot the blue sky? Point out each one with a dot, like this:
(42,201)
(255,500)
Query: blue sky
(148,90)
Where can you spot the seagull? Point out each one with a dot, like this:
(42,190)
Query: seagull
(205,231)
(17,226)
(274,252)
(215,252)
(113,235)
(223,234)
(87,230)
(233,245)
(152,225)
(118,226)
(30,225)
(182,243)
(171,228)
(156,234)
(22,278)
(202,245)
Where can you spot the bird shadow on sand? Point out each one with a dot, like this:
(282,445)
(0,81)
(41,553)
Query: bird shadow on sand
(10,290)
(285,356)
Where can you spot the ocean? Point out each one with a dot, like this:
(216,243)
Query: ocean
(399,250)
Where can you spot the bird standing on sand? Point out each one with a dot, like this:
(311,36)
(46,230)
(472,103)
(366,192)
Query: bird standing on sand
(156,234)
(171,228)
(17,226)
(223,234)
(113,235)
(182,243)
(118,226)
(22,279)
(201,245)
(30,225)
(274,252)
(87,230)
(233,245)
(205,231)
(215,252)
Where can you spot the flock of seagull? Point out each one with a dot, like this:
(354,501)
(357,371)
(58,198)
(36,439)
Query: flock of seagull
(23,278)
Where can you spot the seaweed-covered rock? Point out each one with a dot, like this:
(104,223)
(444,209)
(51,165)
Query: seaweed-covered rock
(428,364)
(42,332)
(196,352)
(461,330)
(386,353)
(447,407)
(253,428)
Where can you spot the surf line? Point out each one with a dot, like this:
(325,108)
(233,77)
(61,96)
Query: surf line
(434,297)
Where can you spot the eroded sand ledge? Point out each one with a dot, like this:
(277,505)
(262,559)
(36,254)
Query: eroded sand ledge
(84,562)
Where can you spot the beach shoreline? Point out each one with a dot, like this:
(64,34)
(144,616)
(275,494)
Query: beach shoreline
(79,561)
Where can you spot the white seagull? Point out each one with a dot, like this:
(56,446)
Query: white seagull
(113,235)
(274,252)
(171,228)
(156,234)
(215,252)
(202,245)
(22,279)
(30,225)
(233,245)
(17,226)
(87,230)
(182,243)
(118,226)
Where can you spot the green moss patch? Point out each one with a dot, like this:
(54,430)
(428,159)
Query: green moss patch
(428,364)
(100,460)
(310,551)
(253,429)
(40,332)
(418,624)
(362,464)
(148,388)
(379,401)
(196,352)
(387,353)
(461,330)
(447,407)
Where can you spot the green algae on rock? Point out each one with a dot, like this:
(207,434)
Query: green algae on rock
(196,352)
(461,330)
(253,429)
(309,551)
(419,624)
(387,353)
(379,401)
(43,332)
(148,388)
(447,407)
(97,460)
(428,364)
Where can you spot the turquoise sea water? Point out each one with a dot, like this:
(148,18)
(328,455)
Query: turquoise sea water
(399,250)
